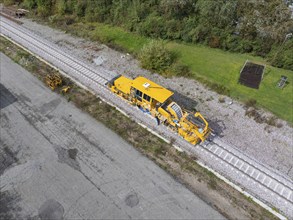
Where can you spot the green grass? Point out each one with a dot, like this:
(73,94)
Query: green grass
(113,36)
(211,66)
(222,67)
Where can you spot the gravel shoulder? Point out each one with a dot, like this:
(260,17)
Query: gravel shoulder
(269,145)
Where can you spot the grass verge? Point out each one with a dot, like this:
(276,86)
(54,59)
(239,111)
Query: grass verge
(181,166)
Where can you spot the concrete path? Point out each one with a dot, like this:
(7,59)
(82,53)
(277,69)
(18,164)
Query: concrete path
(58,162)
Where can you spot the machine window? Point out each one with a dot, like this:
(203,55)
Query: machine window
(146,97)
(138,93)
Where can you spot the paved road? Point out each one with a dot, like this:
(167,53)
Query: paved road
(57,162)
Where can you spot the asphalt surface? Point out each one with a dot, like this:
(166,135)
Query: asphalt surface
(58,162)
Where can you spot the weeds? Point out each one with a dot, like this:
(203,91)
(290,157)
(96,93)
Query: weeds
(250,103)
(221,99)
(256,115)
(212,184)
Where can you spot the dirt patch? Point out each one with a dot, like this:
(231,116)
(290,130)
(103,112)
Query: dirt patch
(68,157)
(8,205)
(51,209)
(251,75)
(72,153)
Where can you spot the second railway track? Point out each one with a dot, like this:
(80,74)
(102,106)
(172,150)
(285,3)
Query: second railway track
(265,184)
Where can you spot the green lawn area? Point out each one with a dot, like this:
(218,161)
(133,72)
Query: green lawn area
(114,36)
(213,65)
(224,67)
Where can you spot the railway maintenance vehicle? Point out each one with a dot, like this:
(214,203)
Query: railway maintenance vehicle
(157,101)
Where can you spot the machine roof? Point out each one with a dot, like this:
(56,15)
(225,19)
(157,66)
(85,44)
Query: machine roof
(152,89)
(123,84)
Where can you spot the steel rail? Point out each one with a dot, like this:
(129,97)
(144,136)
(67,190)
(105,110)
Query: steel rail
(229,158)
(62,57)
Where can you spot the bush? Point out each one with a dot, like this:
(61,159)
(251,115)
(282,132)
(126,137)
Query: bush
(250,103)
(221,99)
(178,69)
(219,88)
(8,2)
(155,57)
(214,42)
(63,20)
(282,57)
(153,26)
(29,4)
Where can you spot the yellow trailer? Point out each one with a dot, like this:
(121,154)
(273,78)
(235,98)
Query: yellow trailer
(157,101)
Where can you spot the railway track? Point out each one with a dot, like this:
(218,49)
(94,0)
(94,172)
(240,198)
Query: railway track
(250,170)
(265,184)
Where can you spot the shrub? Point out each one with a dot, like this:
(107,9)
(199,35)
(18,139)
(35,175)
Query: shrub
(250,103)
(221,99)
(178,69)
(8,2)
(214,42)
(153,26)
(154,56)
(219,88)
